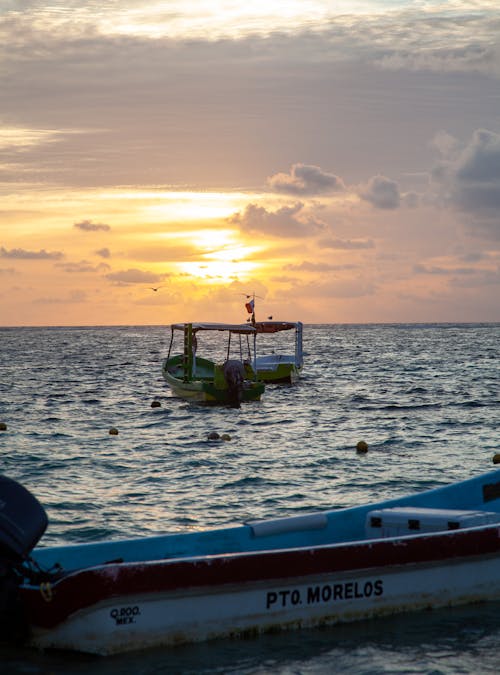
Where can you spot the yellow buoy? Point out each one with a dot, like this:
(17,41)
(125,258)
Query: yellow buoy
(226,437)
(362,446)
(496,458)
(3,426)
(156,404)
(113,431)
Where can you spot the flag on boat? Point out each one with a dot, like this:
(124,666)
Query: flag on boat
(250,305)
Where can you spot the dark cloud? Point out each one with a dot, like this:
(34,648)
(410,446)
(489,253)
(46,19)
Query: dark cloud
(89,226)
(477,173)
(470,178)
(133,276)
(381,192)
(288,221)
(23,254)
(471,57)
(481,279)
(103,253)
(306,179)
(443,271)
(474,256)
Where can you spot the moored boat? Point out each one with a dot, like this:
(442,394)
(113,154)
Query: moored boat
(283,361)
(431,549)
(228,380)
(277,367)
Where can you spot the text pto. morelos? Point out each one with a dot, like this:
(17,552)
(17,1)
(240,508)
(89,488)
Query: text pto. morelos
(310,595)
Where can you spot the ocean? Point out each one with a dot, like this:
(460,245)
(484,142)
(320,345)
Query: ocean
(424,397)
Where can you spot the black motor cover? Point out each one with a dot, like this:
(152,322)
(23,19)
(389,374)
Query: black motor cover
(22,520)
(234,374)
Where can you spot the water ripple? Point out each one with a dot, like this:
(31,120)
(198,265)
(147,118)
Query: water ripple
(424,398)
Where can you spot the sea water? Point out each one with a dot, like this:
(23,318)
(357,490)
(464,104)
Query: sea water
(425,398)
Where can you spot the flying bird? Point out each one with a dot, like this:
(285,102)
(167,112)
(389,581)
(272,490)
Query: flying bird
(156,289)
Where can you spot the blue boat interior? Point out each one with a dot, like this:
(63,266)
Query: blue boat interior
(473,502)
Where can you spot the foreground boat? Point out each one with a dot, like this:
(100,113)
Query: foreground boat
(229,381)
(275,367)
(433,549)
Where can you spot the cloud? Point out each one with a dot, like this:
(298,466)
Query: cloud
(82,267)
(23,254)
(7,270)
(471,57)
(73,297)
(133,276)
(381,192)
(474,256)
(346,244)
(469,175)
(288,221)
(19,138)
(164,253)
(461,277)
(411,200)
(335,288)
(444,143)
(103,253)
(479,280)
(442,271)
(89,226)
(306,179)
(308,266)
(477,172)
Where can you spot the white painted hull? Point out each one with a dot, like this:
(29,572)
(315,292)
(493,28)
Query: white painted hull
(170,618)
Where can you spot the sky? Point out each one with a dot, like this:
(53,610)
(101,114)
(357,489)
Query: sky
(339,160)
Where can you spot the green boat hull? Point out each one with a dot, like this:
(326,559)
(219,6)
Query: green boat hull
(207,385)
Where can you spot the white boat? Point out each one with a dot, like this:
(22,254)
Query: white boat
(432,549)
(277,367)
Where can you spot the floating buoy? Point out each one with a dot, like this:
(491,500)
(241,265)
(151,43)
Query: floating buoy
(113,431)
(226,437)
(362,446)
(3,426)
(496,458)
(213,436)
(156,404)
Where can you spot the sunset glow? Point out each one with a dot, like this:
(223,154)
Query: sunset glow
(338,159)
(185,206)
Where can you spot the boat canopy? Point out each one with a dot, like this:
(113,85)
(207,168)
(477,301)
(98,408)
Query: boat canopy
(232,327)
(275,326)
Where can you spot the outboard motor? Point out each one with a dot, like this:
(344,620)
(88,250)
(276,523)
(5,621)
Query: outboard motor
(22,522)
(234,374)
